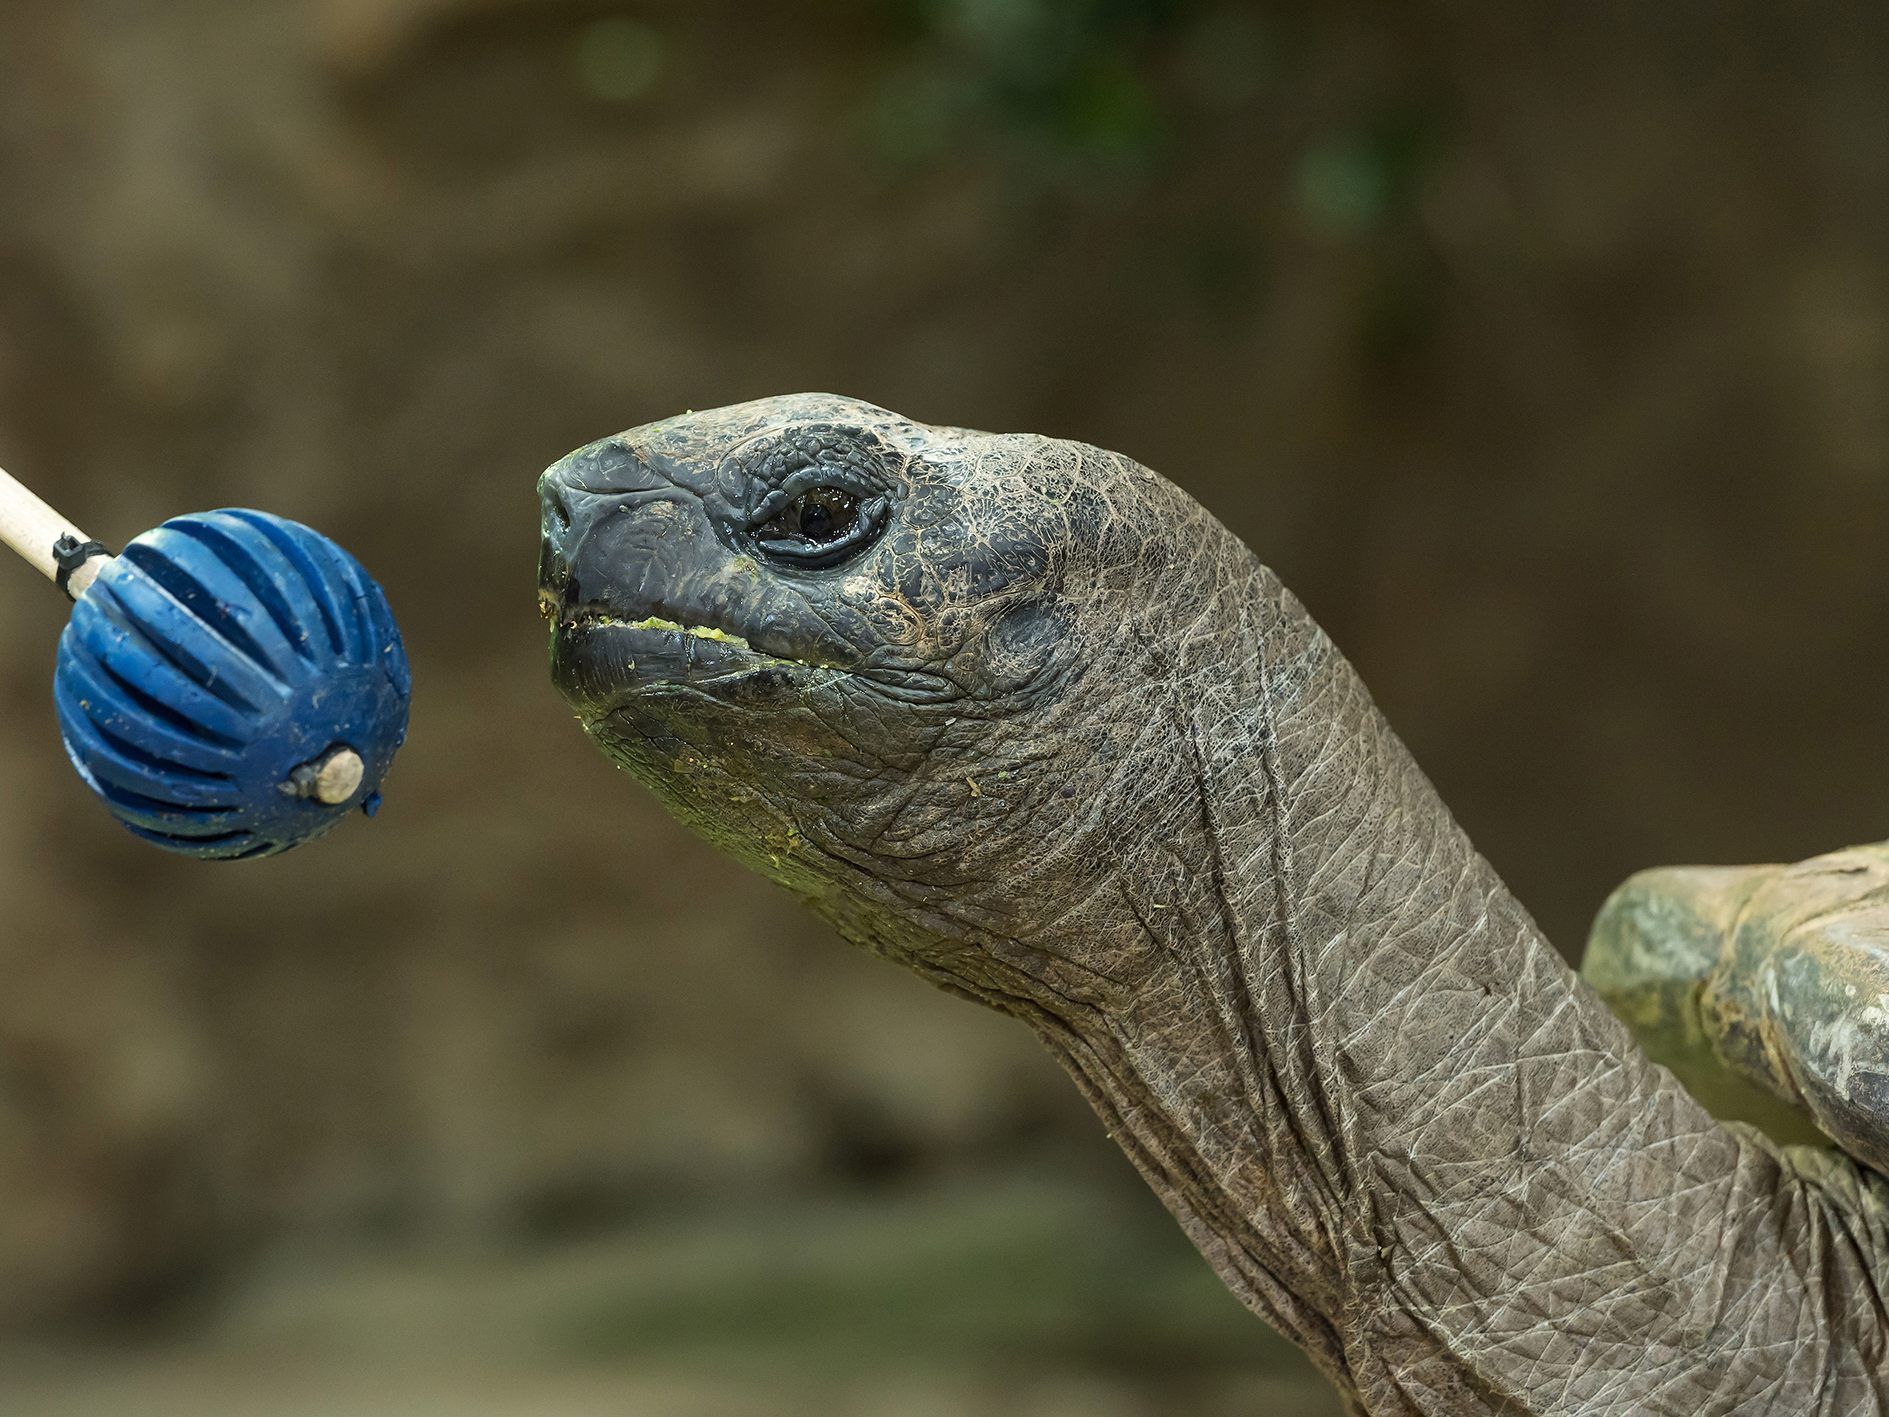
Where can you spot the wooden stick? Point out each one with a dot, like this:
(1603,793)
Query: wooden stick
(32,528)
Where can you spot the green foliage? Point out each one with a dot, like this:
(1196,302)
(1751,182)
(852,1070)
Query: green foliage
(1362,179)
(618,59)
(1098,101)
(1063,88)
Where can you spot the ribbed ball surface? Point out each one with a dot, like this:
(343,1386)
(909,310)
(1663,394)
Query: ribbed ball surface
(212,659)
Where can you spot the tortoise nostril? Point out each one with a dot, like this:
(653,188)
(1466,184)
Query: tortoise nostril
(557,503)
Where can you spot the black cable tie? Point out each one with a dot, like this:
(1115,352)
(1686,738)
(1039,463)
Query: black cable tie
(68,554)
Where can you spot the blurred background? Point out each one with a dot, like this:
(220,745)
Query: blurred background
(1543,347)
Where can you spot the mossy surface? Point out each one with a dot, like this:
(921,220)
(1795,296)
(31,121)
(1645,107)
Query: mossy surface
(1022,1273)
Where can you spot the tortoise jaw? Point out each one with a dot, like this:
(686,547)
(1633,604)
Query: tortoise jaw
(600,661)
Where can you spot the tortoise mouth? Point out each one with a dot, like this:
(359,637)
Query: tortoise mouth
(593,619)
(601,659)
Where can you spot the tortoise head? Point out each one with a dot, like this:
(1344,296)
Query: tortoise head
(858,652)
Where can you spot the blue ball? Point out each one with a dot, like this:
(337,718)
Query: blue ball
(215,668)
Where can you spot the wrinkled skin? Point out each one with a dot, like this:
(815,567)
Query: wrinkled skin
(1048,734)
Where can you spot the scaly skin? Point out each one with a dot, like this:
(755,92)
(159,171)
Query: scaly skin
(1775,975)
(1056,740)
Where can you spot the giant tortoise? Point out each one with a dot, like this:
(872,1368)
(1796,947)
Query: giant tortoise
(1019,714)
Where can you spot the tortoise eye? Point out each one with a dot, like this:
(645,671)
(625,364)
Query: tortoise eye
(822,515)
(820,525)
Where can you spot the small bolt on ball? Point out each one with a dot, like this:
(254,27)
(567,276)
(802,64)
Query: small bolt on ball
(230,685)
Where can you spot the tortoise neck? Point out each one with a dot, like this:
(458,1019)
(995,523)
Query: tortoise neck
(1345,1042)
